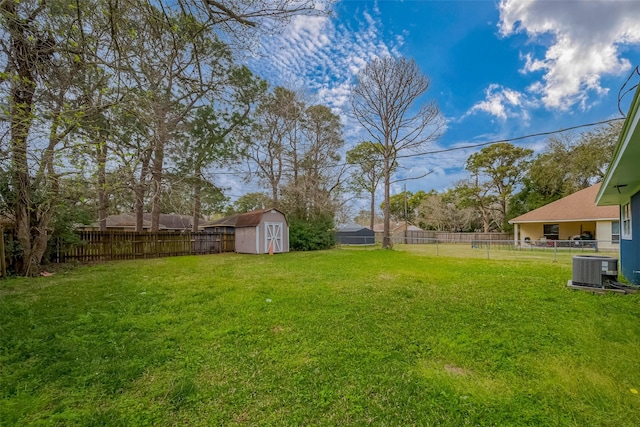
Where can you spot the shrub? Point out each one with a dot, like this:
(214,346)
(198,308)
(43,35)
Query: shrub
(311,235)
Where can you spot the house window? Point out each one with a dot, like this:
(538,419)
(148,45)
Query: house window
(625,219)
(551,231)
(615,231)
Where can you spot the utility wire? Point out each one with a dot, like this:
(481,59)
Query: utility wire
(623,94)
(463,147)
(517,138)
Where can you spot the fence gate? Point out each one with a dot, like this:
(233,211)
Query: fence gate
(273,236)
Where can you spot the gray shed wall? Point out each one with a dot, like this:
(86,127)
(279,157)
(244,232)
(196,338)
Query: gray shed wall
(252,240)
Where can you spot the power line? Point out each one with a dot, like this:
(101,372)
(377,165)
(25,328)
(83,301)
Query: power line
(517,138)
(621,94)
(464,147)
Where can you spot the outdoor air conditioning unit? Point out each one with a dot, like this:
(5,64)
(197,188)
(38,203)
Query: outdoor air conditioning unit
(594,270)
(597,273)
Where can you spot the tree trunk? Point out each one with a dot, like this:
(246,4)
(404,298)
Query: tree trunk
(486,222)
(21,109)
(372,217)
(386,234)
(197,186)
(156,188)
(138,191)
(103,201)
(274,196)
(156,171)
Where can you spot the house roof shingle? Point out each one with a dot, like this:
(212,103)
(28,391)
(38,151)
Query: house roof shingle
(349,228)
(579,206)
(167,221)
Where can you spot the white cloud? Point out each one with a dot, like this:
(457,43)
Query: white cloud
(322,57)
(502,103)
(585,44)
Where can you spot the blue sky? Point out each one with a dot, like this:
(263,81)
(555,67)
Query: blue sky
(498,69)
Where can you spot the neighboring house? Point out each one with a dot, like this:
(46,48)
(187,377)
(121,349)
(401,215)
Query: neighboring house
(354,234)
(256,232)
(572,217)
(621,187)
(127,222)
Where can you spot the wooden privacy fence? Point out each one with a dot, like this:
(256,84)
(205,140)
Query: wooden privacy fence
(116,245)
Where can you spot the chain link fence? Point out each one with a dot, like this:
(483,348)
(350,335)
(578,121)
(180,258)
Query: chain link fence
(552,250)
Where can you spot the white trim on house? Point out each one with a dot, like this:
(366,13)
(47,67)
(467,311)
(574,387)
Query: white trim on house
(626,230)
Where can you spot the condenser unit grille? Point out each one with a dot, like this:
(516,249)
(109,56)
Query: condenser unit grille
(591,270)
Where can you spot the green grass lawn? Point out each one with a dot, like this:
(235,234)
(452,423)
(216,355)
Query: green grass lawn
(341,337)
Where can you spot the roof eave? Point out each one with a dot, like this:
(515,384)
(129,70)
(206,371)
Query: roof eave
(622,180)
(536,221)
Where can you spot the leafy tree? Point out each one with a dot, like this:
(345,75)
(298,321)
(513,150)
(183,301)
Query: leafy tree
(294,148)
(214,136)
(276,119)
(367,161)
(385,101)
(318,178)
(497,170)
(404,206)
(45,78)
(250,202)
(364,218)
(477,195)
(568,164)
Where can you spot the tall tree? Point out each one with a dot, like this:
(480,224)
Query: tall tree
(294,148)
(45,46)
(321,178)
(367,172)
(214,134)
(499,168)
(476,194)
(385,100)
(276,121)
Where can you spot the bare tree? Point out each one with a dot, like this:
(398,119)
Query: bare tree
(386,101)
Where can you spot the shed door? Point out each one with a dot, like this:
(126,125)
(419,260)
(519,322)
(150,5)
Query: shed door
(273,236)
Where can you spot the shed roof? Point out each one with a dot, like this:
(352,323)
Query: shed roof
(579,206)
(350,228)
(247,219)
